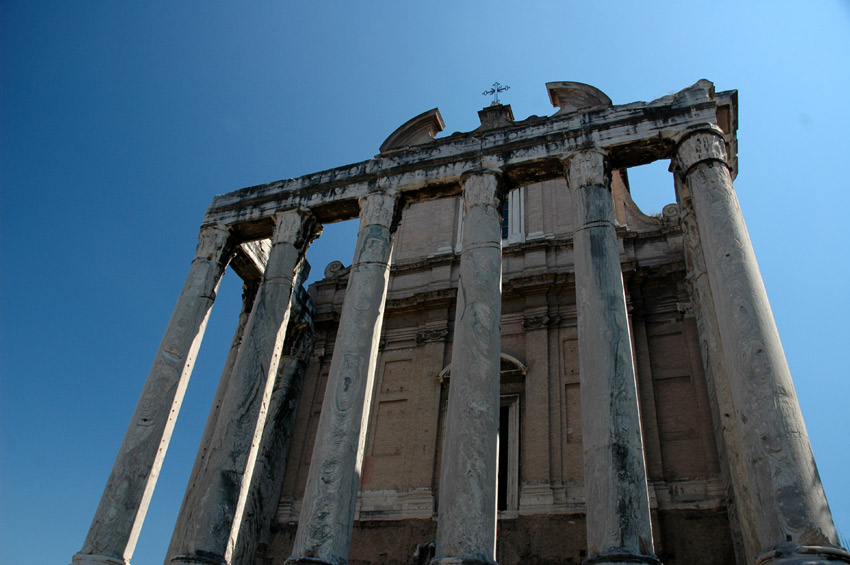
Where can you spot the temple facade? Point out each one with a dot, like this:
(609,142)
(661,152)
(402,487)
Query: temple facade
(517,366)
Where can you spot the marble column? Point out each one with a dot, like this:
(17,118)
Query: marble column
(466,530)
(738,505)
(118,520)
(249,294)
(210,518)
(619,528)
(327,515)
(793,521)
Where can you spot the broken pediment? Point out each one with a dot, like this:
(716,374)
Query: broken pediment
(576,97)
(415,131)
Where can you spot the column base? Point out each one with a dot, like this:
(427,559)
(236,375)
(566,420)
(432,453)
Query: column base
(804,555)
(459,561)
(199,559)
(621,558)
(88,559)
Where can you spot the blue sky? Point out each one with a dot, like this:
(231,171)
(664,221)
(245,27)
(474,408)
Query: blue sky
(119,121)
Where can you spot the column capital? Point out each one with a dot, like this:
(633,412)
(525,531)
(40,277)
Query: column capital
(213,240)
(482,186)
(297,227)
(587,167)
(380,208)
(700,146)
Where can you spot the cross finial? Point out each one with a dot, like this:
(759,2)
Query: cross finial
(494,91)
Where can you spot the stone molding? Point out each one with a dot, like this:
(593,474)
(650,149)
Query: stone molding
(430,336)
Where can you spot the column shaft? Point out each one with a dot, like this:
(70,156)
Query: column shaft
(327,514)
(119,517)
(793,521)
(466,531)
(248,296)
(264,493)
(619,526)
(210,518)
(739,507)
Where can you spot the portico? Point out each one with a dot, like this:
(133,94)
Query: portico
(773,479)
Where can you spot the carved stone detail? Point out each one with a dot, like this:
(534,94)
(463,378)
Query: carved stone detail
(700,146)
(333,269)
(378,208)
(671,213)
(297,227)
(428,336)
(481,188)
(538,322)
(587,168)
(211,242)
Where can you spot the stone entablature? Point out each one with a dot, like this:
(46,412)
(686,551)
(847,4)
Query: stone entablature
(525,152)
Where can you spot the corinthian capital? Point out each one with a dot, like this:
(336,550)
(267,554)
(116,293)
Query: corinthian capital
(586,168)
(701,146)
(297,227)
(212,242)
(379,208)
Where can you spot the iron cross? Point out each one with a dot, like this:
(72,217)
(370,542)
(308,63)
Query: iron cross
(497,88)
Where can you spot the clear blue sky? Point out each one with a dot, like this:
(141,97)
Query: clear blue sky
(119,121)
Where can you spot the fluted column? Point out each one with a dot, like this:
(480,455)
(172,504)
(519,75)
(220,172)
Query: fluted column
(619,528)
(466,531)
(211,516)
(116,525)
(793,521)
(327,515)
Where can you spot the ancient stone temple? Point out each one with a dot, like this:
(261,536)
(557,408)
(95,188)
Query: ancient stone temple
(517,365)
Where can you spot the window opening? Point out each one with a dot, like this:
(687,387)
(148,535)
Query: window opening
(504,452)
(505,218)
